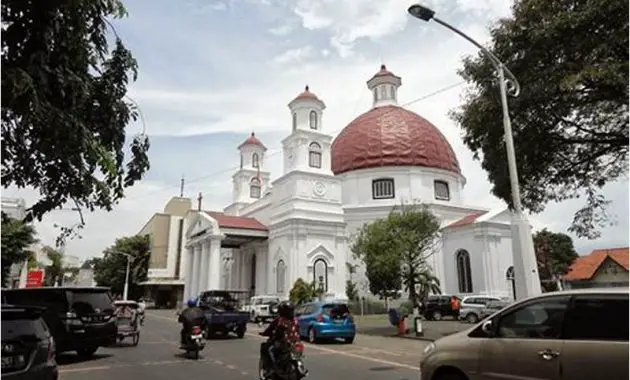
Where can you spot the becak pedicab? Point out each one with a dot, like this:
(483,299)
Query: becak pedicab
(127,321)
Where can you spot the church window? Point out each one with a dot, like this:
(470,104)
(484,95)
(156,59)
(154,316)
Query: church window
(393,92)
(255,162)
(320,274)
(313,119)
(375,95)
(254,188)
(294,121)
(280,276)
(241,161)
(383,188)
(441,190)
(315,155)
(464,277)
(383,92)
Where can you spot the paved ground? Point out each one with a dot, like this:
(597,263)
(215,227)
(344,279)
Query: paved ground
(158,357)
(378,325)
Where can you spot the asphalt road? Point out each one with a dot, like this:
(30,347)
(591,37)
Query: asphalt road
(158,357)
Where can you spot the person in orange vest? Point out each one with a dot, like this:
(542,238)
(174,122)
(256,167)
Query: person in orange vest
(455,305)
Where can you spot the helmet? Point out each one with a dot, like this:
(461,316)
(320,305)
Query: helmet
(286,310)
(192,302)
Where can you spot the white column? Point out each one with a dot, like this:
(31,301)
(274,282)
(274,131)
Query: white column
(196,270)
(189,273)
(203,266)
(214,264)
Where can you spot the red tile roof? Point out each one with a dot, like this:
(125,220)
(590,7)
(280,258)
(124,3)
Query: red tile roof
(584,267)
(468,219)
(383,72)
(306,94)
(252,140)
(238,222)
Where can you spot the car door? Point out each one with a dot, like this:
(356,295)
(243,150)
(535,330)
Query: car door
(525,342)
(303,319)
(596,338)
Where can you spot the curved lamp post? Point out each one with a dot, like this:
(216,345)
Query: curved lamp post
(129,258)
(526,279)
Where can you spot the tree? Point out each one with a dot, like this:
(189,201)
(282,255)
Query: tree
(555,254)
(110,270)
(303,292)
(395,250)
(427,283)
(351,291)
(64,111)
(17,236)
(55,271)
(570,121)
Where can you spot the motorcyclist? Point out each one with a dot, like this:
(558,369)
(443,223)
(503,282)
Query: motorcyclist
(189,317)
(282,331)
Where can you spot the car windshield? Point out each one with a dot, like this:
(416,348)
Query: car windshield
(335,309)
(88,302)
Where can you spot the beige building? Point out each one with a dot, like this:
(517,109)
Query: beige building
(165,283)
(602,268)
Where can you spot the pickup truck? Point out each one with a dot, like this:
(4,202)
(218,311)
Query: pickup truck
(223,314)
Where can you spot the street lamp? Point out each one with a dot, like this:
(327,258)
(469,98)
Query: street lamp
(527,281)
(129,258)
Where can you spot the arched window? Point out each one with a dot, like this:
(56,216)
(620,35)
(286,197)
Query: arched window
(255,162)
(254,188)
(241,161)
(315,155)
(375,95)
(320,274)
(464,277)
(383,92)
(509,274)
(393,89)
(441,191)
(280,276)
(312,118)
(383,188)
(294,121)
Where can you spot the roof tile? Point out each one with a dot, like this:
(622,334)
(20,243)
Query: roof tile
(584,267)
(238,222)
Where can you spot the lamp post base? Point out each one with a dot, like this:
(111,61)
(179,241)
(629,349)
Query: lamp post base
(526,279)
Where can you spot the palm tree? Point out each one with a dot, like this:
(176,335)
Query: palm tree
(427,283)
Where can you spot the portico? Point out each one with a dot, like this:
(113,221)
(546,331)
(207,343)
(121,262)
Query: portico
(220,246)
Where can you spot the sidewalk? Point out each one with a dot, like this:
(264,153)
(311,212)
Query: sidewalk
(378,325)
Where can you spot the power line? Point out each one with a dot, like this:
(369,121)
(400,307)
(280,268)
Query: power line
(279,150)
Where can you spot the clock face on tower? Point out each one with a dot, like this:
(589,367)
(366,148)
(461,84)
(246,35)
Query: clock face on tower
(319,189)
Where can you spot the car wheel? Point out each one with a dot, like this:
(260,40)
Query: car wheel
(349,340)
(86,353)
(450,376)
(311,335)
(437,316)
(472,318)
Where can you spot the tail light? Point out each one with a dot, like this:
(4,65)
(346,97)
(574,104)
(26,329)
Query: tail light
(51,348)
(319,318)
(299,347)
(196,330)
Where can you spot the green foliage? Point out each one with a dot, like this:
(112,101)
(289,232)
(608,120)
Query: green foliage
(53,272)
(570,121)
(110,270)
(351,291)
(64,111)
(17,236)
(395,250)
(555,254)
(303,292)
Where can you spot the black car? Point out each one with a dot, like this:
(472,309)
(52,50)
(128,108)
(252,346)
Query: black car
(437,307)
(80,319)
(28,348)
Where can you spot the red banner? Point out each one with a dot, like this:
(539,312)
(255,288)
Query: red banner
(34,278)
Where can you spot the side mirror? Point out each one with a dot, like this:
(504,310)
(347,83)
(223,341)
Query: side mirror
(488,328)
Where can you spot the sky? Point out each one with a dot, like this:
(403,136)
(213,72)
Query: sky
(213,71)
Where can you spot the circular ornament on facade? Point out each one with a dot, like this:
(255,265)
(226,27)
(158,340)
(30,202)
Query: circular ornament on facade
(319,189)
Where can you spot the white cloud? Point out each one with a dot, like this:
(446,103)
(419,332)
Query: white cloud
(281,30)
(294,56)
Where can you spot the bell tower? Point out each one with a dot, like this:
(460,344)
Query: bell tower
(384,86)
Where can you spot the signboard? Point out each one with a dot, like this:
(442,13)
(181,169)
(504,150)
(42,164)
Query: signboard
(35,278)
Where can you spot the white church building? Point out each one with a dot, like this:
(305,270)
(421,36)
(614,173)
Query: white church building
(301,225)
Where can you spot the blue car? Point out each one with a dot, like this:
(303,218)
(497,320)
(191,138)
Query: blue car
(325,320)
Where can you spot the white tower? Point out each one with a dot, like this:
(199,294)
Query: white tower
(251,181)
(307,148)
(384,86)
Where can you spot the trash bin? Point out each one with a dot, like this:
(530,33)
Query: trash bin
(417,324)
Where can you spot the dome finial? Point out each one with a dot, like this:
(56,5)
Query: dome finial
(253,134)
(306,88)
(383,67)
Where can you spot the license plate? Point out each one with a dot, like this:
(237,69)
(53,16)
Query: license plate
(197,336)
(12,361)
(338,320)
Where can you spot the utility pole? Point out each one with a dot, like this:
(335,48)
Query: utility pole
(181,187)
(199,198)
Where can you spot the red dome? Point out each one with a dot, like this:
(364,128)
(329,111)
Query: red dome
(252,140)
(391,136)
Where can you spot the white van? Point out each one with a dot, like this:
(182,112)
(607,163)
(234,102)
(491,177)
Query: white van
(260,308)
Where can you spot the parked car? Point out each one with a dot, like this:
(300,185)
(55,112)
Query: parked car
(575,334)
(471,307)
(28,348)
(262,308)
(438,307)
(325,320)
(80,319)
(492,307)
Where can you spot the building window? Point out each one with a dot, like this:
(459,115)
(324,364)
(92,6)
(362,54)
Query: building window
(280,276)
(255,162)
(254,188)
(464,277)
(241,161)
(393,92)
(312,118)
(294,121)
(315,155)
(383,92)
(375,95)
(441,191)
(383,188)
(320,274)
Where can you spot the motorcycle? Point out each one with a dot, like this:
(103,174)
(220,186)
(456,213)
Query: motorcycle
(195,343)
(288,366)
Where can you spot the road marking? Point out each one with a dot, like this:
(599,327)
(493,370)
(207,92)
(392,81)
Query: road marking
(84,369)
(329,350)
